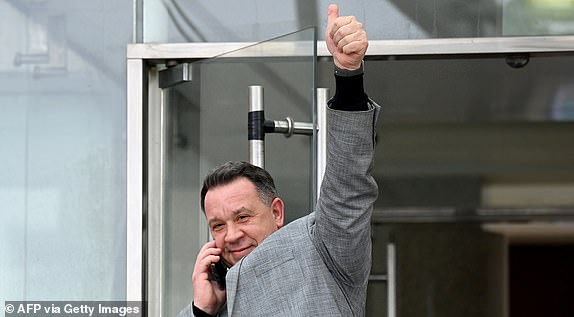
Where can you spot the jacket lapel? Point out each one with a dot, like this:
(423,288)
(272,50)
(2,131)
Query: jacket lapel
(231,281)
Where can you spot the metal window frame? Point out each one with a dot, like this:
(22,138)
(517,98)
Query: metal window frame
(134,169)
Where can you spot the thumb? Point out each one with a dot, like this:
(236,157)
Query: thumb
(332,14)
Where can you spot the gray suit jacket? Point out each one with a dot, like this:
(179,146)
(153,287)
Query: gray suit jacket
(317,265)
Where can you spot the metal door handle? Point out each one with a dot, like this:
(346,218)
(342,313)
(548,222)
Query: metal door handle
(258,126)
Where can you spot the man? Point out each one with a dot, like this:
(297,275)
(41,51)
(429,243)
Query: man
(317,265)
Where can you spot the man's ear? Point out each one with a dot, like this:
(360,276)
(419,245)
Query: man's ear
(278,208)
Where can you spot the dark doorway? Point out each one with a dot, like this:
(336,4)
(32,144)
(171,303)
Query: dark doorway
(541,280)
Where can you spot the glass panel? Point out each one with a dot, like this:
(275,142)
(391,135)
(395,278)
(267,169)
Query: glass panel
(62,149)
(471,132)
(468,146)
(474,89)
(232,21)
(475,133)
(208,126)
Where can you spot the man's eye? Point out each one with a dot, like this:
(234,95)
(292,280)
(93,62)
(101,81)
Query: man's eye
(242,217)
(217,227)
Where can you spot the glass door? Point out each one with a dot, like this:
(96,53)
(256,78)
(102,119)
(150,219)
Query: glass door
(202,122)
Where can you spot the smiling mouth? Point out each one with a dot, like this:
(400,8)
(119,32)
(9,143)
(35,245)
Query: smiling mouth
(241,252)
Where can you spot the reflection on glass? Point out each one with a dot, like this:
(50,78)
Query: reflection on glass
(473,89)
(538,17)
(208,126)
(227,21)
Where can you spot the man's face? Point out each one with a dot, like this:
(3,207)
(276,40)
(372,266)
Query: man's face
(239,221)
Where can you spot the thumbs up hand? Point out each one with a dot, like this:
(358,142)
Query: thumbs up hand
(346,39)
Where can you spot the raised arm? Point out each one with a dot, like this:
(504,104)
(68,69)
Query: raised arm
(348,192)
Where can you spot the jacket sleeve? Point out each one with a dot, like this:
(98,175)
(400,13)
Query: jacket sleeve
(342,231)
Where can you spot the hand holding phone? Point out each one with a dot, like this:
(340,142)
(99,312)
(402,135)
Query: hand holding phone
(207,295)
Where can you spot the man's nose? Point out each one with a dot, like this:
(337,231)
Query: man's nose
(233,233)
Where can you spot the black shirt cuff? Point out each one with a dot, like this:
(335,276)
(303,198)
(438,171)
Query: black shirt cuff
(199,313)
(350,94)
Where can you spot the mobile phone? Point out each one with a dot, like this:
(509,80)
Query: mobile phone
(218,272)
